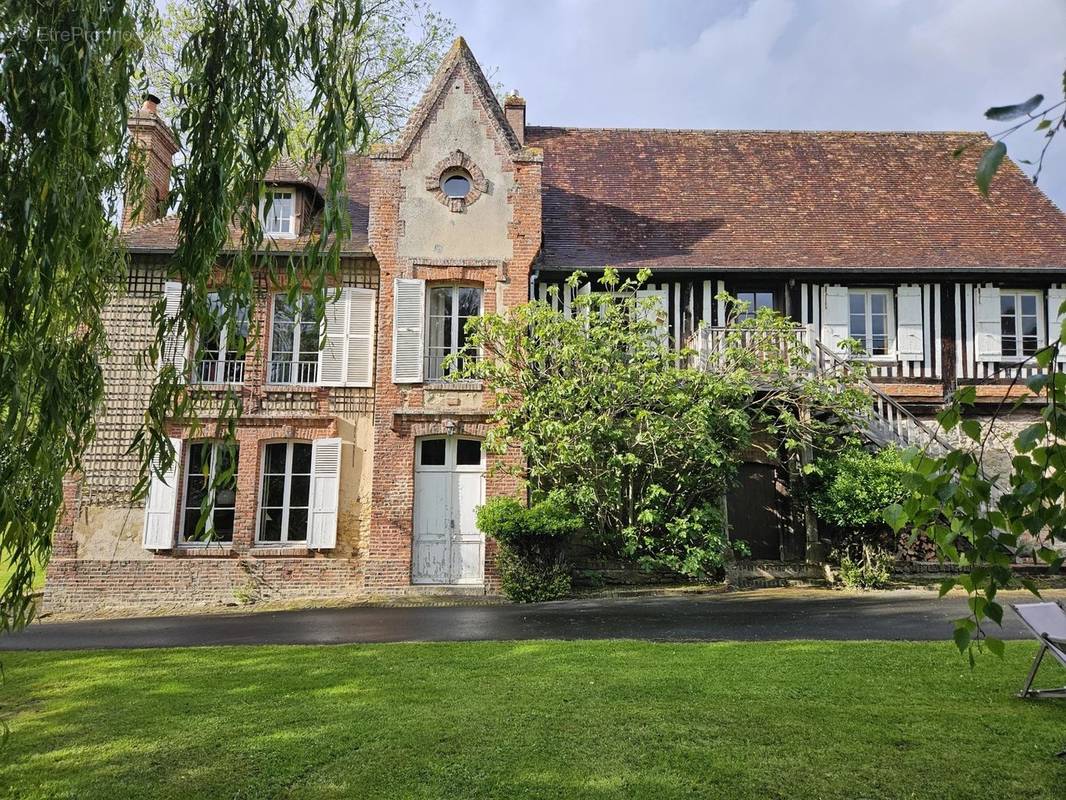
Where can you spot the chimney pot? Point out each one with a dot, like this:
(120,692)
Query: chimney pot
(151,103)
(514,108)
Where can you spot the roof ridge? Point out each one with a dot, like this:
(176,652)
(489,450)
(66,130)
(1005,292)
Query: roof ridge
(142,225)
(812,131)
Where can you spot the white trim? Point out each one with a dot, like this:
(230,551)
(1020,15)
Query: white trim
(209,525)
(890,322)
(292,232)
(453,317)
(261,506)
(295,363)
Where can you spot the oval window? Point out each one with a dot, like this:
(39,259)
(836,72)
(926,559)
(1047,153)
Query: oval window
(456,185)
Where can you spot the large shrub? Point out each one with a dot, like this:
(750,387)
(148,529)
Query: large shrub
(644,439)
(532,545)
(849,492)
(852,488)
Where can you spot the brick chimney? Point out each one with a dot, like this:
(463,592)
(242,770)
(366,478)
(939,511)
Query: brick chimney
(153,138)
(514,108)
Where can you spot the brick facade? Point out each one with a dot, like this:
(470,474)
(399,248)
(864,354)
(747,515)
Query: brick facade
(541,203)
(99,561)
(404,412)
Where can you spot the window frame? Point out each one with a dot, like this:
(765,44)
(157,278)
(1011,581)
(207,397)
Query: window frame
(451,453)
(755,291)
(297,334)
(274,194)
(214,444)
(286,507)
(219,363)
(431,365)
(1041,329)
(867,292)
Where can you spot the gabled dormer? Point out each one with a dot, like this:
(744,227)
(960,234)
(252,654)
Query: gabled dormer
(290,201)
(451,181)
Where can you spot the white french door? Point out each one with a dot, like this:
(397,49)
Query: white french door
(448,548)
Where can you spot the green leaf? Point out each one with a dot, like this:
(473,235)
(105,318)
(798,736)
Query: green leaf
(1030,436)
(962,638)
(946,586)
(994,611)
(995,646)
(971,428)
(1003,113)
(1044,123)
(948,418)
(1029,584)
(895,517)
(989,165)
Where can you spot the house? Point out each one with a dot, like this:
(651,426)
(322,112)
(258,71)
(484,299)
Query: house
(360,461)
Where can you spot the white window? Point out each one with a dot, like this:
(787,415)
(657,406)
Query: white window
(277,210)
(222,347)
(1021,323)
(211,475)
(870,320)
(294,341)
(449,309)
(285,497)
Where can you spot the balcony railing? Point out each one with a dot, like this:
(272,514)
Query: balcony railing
(293,372)
(725,347)
(215,371)
(796,349)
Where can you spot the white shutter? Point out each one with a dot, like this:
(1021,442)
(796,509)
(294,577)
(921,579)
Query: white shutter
(325,488)
(347,356)
(331,358)
(409,310)
(174,346)
(987,324)
(362,304)
(1056,296)
(910,330)
(161,504)
(657,313)
(834,316)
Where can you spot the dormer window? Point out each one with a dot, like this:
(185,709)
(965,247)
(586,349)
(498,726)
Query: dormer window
(278,213)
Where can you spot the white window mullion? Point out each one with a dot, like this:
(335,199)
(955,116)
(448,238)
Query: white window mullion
(286,493)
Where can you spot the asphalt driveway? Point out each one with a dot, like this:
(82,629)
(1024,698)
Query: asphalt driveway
(743,616)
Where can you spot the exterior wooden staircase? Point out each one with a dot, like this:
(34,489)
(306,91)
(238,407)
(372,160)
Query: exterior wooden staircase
(887,421)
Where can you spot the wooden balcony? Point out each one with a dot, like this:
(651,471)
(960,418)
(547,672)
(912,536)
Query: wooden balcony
(752,349)
(795,353)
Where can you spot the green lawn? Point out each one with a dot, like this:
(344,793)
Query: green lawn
(541,719)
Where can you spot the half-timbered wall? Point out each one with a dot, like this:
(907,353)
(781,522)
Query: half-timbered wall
(970,366)
(812,300)
(692,300)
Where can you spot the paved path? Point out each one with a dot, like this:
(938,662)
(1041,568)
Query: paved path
(744,616)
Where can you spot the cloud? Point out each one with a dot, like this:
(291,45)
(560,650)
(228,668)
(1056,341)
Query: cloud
(790,64)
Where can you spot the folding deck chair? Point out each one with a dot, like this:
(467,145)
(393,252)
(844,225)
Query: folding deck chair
(1047,621)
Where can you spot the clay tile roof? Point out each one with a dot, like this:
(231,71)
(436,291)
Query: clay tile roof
(286,172)
(784,199)
(161,235)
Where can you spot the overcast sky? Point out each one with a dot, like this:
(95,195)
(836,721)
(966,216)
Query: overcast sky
(775,64)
